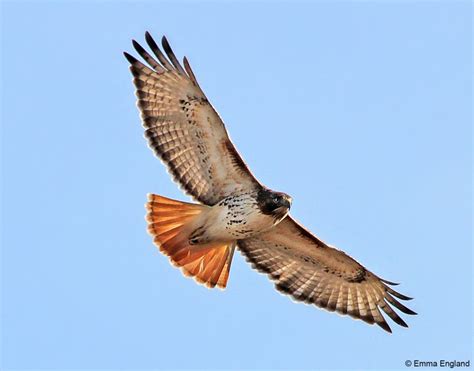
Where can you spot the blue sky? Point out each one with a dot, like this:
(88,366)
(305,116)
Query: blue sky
(359,110)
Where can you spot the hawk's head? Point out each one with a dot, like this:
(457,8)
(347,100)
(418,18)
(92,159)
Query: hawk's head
(273,203)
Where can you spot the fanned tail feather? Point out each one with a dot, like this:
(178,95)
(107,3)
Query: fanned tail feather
(170,222)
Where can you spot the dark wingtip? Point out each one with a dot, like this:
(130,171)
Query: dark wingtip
(139,49)
(149,39)
(389,282)
(135,44)
(171,56)
(401,322)
(397,294)
(401,307)
(165,43)
(130,58)
(385,326)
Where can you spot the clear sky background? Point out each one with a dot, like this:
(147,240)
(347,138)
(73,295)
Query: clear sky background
(359,110)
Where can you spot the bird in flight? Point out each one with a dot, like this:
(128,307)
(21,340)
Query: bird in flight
(235,210)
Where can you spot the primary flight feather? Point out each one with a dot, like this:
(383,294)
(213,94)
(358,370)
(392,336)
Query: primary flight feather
(235,210)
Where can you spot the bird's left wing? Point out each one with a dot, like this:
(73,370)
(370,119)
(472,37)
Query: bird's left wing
(311,271)
(183,129)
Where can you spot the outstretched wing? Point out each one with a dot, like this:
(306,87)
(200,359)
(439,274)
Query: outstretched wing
(184,130)
(309,270)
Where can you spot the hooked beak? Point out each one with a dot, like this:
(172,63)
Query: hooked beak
(285,206)
(286,202)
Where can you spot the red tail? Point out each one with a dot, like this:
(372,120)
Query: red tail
(170,223)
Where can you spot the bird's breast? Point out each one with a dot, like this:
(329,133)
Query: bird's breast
(240,217)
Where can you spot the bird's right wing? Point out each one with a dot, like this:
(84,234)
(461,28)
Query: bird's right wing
(307,269)
(184,130)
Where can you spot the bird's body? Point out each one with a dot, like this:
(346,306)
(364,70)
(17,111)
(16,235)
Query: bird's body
(235,210)
(233,218)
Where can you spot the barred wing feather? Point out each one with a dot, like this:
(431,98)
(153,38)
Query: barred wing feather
(183,129)
(308,270)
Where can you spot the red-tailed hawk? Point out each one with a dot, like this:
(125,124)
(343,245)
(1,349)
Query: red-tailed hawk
(236,210)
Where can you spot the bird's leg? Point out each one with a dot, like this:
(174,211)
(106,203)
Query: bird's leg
(198,236)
